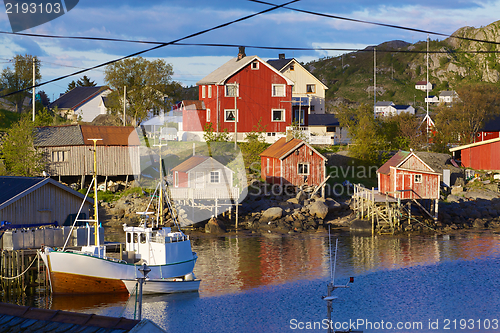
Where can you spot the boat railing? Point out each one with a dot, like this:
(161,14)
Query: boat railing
(170,239)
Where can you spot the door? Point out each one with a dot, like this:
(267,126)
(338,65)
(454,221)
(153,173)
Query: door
(200,180)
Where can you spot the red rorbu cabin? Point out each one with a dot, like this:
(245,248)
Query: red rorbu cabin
(292,162)
(406,176)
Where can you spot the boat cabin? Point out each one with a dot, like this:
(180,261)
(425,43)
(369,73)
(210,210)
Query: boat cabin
(157,246)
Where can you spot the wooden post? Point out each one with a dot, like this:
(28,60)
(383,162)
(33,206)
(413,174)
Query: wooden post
(237,204)
(436,210)
(83,182)
(106,183)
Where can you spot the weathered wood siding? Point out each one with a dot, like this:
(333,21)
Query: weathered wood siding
(79,160)
(44,205)
(427,189)
(413,163)
(285,172)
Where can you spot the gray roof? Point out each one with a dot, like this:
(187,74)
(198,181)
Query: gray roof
(323,120)
(76,97)
(55,136)
(222,73)
(382,103)
(447,93)
(401,107)
(14,318)
(279,64)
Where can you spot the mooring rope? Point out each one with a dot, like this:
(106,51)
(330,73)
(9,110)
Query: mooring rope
(15,277)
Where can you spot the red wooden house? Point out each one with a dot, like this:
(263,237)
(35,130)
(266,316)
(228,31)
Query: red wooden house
(243,92)
(292,162)
(490,130)
(483,155)
(406,176)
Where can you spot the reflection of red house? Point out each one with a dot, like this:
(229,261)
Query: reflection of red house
(483,155)
(194,115)
(246,90)
(292,162)
(406,176)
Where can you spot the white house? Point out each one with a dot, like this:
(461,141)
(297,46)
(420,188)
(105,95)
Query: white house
(398,109)
(423,85)
(308,92)
(448,96)
(432,99)
(383,108)
(82,103)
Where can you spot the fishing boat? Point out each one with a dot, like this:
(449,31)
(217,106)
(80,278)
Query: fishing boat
(88,270)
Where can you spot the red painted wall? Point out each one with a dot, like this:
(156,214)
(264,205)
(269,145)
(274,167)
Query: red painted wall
(183,179)
(193,120)
(484,157)
(290,168)
(482,136)
(255,101)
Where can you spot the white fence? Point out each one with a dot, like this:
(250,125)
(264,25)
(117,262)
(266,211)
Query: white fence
(205,193)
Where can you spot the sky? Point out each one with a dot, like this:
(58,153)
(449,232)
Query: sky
(165,21)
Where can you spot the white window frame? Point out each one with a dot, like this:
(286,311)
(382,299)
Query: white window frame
(209,91)
(417,179)
(232,85)
(282,115)
(176,179)
(313,90)
(202,91)
(274,92)
(303,173)
(212,174)
(254,65)
(59,155)
(225,115)
(208,116)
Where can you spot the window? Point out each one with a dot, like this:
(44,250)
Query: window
(59,156)
(292,67)
(176,179)
(232,90)
(267,168)
(271,133)
(230,115)
(312,108)
(143,238)
(214,177)
(311,88)
(279,90)
(278,115)
(255,65)
(303,169)
(331,129)
(209,91)
(208,115)
(202,91)
(418,179)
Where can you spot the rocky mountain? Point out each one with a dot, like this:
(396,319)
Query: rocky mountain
(400,65)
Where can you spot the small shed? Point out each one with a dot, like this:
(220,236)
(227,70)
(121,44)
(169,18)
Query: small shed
(483,155)
(201,172)
(36,200)
(407,176)
(292,162)
(67,150)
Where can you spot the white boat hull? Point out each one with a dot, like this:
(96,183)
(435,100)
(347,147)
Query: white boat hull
(164,286)
(78,273)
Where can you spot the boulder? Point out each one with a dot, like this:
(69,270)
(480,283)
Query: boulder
(271,214)
(318,209)
(214,226)
(456,190)
(333,206)
(301,196)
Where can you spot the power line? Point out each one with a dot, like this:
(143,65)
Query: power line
(155,47)
(376,23)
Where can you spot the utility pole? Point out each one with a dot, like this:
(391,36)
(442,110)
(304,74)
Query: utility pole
(124,102)
(235,116)
(33,93)
(374,80)
(427,94)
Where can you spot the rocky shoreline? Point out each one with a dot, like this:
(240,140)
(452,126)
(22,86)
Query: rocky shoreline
(302,211)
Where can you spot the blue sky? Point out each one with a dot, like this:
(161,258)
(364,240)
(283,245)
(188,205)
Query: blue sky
(157,20)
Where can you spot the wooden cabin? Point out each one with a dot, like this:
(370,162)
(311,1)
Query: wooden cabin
(407,176)
(292,162)
(36,200)
(68,151)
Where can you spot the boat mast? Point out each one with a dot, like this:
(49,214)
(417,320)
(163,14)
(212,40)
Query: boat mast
(96,210)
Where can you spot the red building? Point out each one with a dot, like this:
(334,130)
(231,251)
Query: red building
(483,155)
(490,130)
(292,162)
(244,92)
(406,176)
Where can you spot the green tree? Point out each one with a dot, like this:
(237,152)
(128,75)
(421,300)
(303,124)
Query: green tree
(19,76)
(83,82)
(254,145)
(460,122)
(146,83)
(20,156)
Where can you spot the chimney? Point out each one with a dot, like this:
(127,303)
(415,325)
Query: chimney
(281,56)
(241,53)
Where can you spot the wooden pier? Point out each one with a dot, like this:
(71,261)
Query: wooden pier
(388,213)
(22,272)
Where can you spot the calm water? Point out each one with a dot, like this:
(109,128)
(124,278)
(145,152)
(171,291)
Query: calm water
(275,284)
